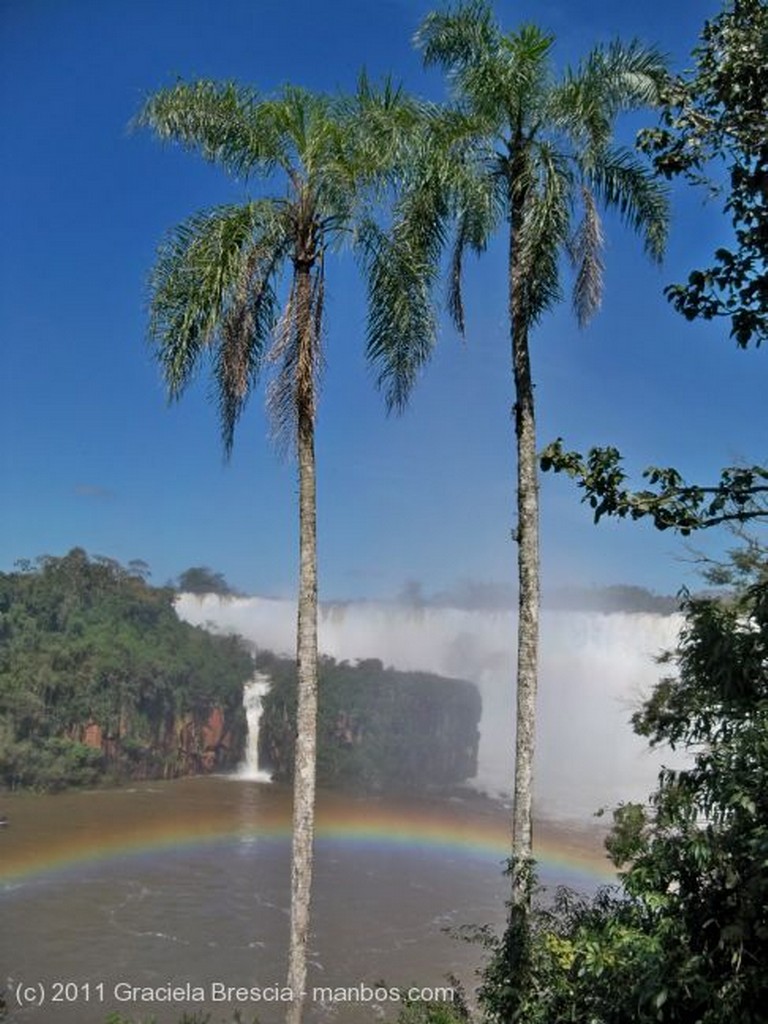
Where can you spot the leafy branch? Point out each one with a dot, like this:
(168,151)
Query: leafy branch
(740,495)
(714,120)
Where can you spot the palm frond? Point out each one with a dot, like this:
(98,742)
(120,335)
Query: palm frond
(632,75)
(401,325)
(244,332)
(307,124)
(480,207)
(456,38)
(585,250)
(280,397)
(612,79)
(543,232)
(524,75)
(212,286)
(335,162)
(381,130)
(225,122)
(442,177)
(496,77)
(623,182)
(576,107)
(381,119)
(466,42)
(455,279)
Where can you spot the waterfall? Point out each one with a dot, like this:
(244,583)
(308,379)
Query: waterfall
(253,694)
(594,670)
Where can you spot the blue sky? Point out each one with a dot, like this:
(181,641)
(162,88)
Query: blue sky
(92,455)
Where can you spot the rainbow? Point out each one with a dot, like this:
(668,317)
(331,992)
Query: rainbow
(443,831)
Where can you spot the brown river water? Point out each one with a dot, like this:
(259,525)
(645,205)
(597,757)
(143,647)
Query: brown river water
(168,897)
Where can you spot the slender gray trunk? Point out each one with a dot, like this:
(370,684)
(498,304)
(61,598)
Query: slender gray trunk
(527,535)
(306,656)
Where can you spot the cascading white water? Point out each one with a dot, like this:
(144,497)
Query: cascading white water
(253,695)
(595,668)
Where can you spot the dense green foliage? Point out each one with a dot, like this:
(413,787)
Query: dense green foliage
(715,118)
(199,579)
(84,642)
(436,1011)
(685,938)
(378,729)
(742,567)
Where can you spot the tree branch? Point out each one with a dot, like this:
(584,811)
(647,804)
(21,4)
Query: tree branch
(671,503)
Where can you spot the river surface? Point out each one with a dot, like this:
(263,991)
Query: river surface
(112,899)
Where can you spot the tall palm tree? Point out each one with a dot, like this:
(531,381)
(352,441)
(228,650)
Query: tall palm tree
(524,147)
(242,284)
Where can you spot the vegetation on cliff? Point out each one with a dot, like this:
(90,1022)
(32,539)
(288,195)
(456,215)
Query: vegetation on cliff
(98,676)
(199,579)
(378,729)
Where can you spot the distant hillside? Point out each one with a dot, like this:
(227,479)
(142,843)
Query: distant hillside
(378,729)
(620,597)
(474,595)
(99,678)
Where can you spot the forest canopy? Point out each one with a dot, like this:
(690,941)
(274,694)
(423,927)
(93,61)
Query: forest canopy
(378,729)
(85,641)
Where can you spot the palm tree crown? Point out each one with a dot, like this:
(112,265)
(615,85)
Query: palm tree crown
(214,288)
(541,149)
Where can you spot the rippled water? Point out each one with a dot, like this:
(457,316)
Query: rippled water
(187,884)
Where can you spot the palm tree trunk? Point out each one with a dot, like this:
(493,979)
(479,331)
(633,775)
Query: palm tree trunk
(527,535)
(306,714)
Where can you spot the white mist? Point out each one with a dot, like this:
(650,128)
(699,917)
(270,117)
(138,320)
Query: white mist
(595,669)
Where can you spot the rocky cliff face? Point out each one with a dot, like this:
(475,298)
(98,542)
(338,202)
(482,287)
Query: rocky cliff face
(216,743)
(378,730)
(185,744)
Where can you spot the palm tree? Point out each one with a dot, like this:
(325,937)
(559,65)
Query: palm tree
(216,292)
(524,147)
